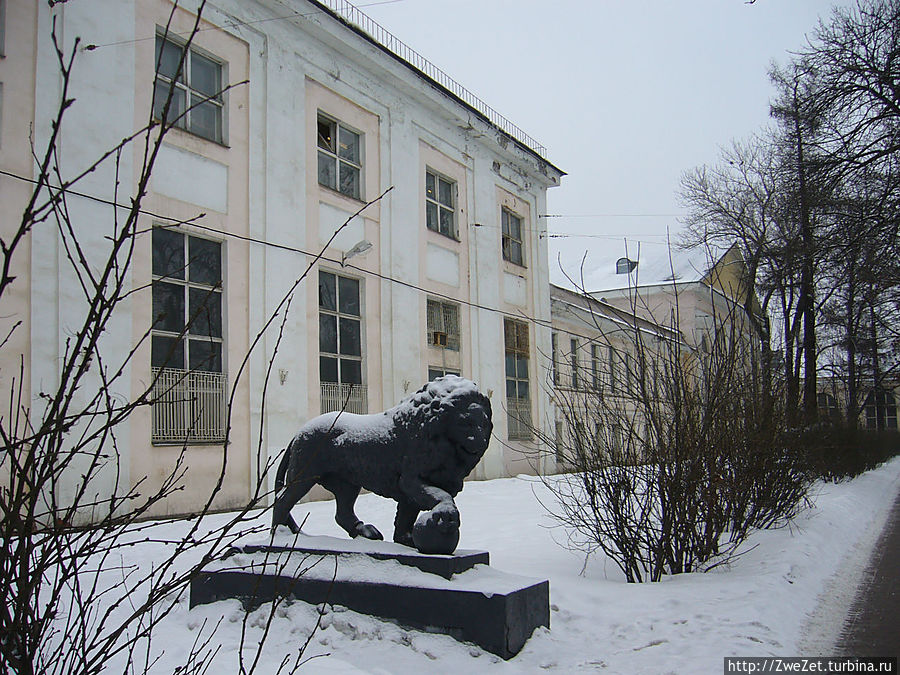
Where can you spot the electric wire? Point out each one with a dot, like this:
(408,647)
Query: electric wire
(294,249)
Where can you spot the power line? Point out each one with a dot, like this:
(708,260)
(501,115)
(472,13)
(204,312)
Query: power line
(610,215)
(614,237)
(293,249)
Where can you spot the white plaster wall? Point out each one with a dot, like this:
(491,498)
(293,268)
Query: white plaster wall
(59,304)
(295,67)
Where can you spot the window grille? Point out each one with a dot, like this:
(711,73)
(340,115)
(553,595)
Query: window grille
(352,398)
(187,407)
(442,325)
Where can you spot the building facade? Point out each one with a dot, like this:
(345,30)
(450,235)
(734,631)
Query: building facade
(320,175)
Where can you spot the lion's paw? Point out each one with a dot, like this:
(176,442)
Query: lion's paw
(368,531)
(437,531)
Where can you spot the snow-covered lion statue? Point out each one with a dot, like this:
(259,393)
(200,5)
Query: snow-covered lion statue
(418,453)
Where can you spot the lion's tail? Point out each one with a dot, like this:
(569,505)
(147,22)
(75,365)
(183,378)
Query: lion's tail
(282,469)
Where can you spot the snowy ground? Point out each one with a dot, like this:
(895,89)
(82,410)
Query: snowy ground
(784,596)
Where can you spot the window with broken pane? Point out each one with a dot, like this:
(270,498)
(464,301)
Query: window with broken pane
(511,241)
(442,324)
(339,158)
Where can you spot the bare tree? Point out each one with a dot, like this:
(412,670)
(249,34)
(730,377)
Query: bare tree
(854,55)
(829,191)
(742,200)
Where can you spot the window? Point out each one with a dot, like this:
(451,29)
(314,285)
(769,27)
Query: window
(340,344)
(620,371)
(625,266)
(628,373)
(186,338)
(595,367)
(554,357)
(613,358)
(340,157)
(195,83)
(434,372)
(442,325)
(881,410)
(827,404)
(573,357)
(518,397)
(439,209)
(2,27)
(511,242)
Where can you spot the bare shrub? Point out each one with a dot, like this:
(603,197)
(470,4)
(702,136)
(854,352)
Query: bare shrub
(679,451)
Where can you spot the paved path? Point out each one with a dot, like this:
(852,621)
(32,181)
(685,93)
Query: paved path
(872,627)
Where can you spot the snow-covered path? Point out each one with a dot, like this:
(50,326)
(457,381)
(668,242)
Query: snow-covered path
(783,596)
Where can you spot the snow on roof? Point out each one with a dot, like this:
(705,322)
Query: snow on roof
(656,264)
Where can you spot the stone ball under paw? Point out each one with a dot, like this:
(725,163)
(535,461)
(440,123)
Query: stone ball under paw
(433,535)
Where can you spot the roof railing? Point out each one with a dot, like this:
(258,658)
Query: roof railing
(389,41)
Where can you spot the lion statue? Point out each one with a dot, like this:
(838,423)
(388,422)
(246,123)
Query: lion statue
(417,453)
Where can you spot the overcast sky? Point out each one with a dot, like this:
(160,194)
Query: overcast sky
(626,95)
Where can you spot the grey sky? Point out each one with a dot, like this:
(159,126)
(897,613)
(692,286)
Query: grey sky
(625,94)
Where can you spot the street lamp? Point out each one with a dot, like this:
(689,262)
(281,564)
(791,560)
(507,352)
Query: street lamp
(358,248)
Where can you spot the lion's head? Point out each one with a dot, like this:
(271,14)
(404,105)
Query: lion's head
(449,409)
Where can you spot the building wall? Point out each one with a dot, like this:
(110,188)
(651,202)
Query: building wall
(260,185)
(17,77)
(584,391)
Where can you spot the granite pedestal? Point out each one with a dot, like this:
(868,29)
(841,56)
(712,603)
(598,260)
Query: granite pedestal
(459,594)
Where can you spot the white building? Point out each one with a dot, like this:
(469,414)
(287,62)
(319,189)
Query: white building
(323,112)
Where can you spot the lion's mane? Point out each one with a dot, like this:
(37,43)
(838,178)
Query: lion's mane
(426,415)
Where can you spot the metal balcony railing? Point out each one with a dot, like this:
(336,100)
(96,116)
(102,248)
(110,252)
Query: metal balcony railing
(187,406)
(383,37)
(352,398)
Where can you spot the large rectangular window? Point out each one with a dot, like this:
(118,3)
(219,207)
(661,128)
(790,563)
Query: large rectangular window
(518,394)
(554,357)
(573,360)
(339,157)
(595,367)
(440,212)
(512,242)
(195,82)
(881,410)
(340,344)
(187,338)
(2,27)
